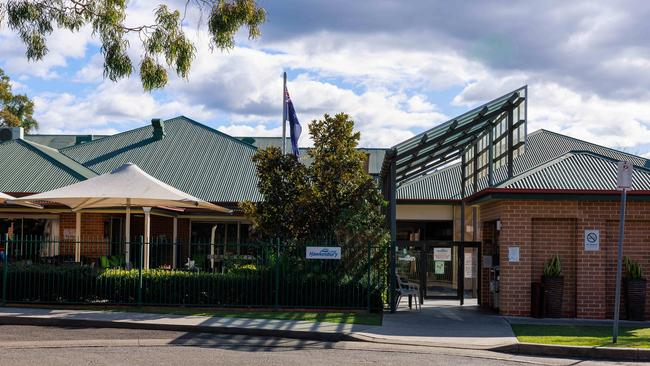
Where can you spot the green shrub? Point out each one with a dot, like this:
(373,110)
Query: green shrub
(553,268)
(249,285)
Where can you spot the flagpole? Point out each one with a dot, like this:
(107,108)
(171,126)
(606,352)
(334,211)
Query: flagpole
(284,114)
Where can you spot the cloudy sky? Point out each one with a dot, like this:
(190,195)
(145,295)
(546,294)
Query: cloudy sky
(398,67)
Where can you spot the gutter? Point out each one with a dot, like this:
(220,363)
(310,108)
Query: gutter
(494,193)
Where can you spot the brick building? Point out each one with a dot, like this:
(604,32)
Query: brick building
(463,202)
(463,196)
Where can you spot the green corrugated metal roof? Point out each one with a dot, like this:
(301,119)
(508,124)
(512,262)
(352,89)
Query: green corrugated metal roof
(192,157)
(577,170)
(444,184)
(30,167)
(542,147)
(375,155)
(57,141)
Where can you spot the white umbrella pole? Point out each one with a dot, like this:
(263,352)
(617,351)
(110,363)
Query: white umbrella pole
(127,232)
(212,240)
(147,235)
(77,238)
(174,243)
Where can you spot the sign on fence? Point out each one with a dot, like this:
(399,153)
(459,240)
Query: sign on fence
(323,253)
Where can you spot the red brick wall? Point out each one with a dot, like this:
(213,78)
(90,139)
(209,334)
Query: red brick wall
(556,236)
(92,234)
(541,228)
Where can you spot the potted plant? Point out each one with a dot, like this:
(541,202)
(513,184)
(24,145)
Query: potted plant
(553,287)
(635,290)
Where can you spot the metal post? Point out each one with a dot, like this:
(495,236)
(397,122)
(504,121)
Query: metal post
(392,189)
(461,273)
(175,243)
(491,156)
(5,269)
(277,274)
(77,238)
(510,143)
(619,264)
(127,232)
(284,113)
(141,242)
(368,285)
(147,236)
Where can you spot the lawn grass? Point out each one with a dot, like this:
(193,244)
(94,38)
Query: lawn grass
(591,336)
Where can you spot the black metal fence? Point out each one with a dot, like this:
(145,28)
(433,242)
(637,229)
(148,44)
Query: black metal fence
(268,275)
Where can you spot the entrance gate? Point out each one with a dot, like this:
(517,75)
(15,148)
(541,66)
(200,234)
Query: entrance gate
(443,269)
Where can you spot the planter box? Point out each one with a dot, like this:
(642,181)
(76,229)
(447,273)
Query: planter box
(553,296)
(635,298)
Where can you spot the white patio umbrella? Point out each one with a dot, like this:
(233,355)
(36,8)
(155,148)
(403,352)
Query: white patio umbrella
(5,198)
(127,186)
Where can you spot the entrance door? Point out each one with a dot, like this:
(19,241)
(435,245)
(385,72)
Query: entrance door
(444,270)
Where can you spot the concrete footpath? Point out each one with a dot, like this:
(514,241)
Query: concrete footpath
(444,325)
(438,324)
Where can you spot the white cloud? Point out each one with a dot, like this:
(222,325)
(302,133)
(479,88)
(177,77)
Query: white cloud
(587,66)
(119,105)
(247,130)
(62,46)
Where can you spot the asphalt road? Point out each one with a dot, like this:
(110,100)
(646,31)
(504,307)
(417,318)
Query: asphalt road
(45,346)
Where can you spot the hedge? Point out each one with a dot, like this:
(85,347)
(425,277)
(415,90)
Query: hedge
(245,287)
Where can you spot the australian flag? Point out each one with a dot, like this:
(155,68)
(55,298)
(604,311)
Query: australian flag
(294,125)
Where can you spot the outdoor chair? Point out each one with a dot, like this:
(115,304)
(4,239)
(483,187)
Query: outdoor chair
(405,288)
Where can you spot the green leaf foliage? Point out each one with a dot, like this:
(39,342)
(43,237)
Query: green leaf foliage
(633,269)
(35,20)
(553,267)
(16,110)
(332,199)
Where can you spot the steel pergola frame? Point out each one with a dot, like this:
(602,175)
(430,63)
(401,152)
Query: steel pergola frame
(467,137)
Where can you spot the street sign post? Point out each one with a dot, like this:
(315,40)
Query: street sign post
(624,182)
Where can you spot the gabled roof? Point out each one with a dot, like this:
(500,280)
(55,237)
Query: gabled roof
(58,141)
(191,157)
(30,167)
(577,170)
(375,155)
(542,147)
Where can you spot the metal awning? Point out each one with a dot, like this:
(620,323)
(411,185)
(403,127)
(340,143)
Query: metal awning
(486,138)
(446,142)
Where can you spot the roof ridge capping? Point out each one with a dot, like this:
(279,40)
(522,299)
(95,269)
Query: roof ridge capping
(541,130)
(165,122)
(605,157)
(214,130)
(59,157)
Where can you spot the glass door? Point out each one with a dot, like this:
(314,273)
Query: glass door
(442,272)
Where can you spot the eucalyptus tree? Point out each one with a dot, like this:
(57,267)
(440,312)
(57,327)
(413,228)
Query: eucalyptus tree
(164,41)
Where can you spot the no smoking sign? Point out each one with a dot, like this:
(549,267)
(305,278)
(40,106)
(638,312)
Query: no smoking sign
(592,240)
